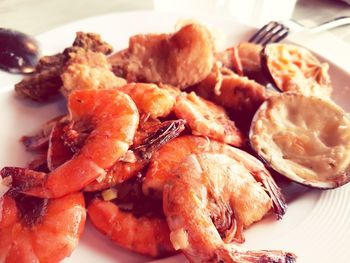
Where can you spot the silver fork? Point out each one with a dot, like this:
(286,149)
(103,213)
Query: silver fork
(270,33)
(274,32)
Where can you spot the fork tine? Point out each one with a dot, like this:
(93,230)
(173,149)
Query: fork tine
(261,32)
(281,35)
(275,34)
(270,33)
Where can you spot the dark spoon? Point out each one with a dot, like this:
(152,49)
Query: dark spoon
(19,53)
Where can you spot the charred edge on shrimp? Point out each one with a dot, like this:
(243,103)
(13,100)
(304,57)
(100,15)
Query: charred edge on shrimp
(131,199)
(75,134)
(21,178)
(168,131)
(36,142)
(32,209)
(39,164)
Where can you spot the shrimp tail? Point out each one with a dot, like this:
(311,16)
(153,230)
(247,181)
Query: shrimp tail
(278,200)
(256,256)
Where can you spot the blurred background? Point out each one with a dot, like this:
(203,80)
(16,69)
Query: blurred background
(37,16)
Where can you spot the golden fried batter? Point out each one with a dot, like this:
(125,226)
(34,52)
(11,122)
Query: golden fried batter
(180,59)
(45,82)
(88,70)
(235,92)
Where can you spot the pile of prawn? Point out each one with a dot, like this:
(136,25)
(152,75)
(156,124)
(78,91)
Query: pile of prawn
(151,163)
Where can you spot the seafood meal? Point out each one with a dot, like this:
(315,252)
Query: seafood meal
(171,146)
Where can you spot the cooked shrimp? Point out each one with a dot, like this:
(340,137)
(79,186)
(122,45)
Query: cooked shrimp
(165,160)
(145,235)
(180,59)
(40,230)
(207,119)
(150,99)
(88,70)
(146,141)
(114,118)
(203,200)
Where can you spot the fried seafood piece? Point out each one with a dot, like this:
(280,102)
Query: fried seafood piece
(87,69)
(207,119)
(45,81)
(148,235)
(234,92)
(246,55)
(40,230)
(91,70)
(180,59)
(202,203)
(245,59)
(113,118)
(149,137)
(91,41)
(165,160)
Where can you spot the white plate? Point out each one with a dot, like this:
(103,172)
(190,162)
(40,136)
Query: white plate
(316,226)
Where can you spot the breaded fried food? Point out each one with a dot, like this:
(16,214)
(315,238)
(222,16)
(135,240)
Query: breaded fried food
(180,59)
(93,42)
(248,55)
(235,92)
(45,81)
(88,70)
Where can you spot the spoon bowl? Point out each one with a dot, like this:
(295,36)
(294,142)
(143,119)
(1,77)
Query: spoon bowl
(19,52)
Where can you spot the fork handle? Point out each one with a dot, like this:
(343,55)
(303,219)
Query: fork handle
(336,22)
